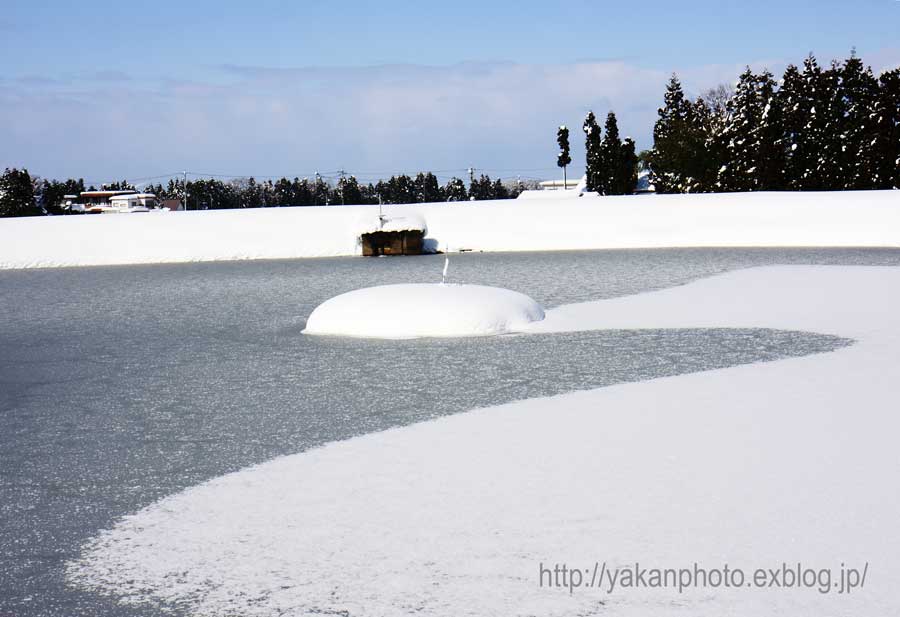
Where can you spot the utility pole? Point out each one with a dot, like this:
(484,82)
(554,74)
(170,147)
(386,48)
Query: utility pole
(316,188)
(471,182)
(341,172)
(184,192)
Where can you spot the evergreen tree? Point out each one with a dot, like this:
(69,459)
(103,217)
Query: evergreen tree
(369,194)
(611,156)
(481,188)
(749,143)
(708,120)
(401,189)
(303,192)
(282,193)
(771,155)
(427,188)
(563,159)
(320,193)
(795,146)
(499,190)
(859,97)
(627,177)
(349,191)
(17,194)
(50,195)
(812,136)
(455,190)
(830,121)
(592,146)
(253,194)
(677,161)
(886,149)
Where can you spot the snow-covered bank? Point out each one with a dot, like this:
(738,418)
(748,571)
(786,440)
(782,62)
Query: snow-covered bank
(861,218)
(417,310)
(750,466)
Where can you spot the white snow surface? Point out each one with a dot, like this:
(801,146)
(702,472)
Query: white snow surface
(753,466)
(411,221)
(553,222)
(422,309)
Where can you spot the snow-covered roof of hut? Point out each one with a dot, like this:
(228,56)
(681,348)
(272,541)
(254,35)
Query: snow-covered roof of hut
(407,222)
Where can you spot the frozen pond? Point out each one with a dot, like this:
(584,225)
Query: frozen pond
(122,385)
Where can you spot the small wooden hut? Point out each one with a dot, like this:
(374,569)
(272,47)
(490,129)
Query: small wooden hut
(401,235)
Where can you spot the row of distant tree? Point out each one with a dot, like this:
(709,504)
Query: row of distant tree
(21,195)
(248,193)
(831,128)
(611,165)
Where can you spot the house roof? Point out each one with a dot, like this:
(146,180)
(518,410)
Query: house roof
(132,196)
(105,193)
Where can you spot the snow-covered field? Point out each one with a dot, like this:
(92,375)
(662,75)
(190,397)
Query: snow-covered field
(752,466)
(863,219)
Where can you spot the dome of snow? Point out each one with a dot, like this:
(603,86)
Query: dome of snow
(420,310)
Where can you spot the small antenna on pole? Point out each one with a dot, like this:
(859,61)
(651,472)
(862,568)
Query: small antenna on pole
(381,217)
(446,266)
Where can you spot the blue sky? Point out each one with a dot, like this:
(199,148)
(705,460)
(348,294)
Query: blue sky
(110,90)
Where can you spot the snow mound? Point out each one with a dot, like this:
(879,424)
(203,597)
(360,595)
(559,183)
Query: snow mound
(418,310)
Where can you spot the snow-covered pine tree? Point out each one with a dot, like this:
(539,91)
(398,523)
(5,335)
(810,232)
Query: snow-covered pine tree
(814,140)
(858,95)
(675,143)
(564,157)
(628,168)
(886,148)
(743,135)
(791,101)
(611,156)
(707,122)
(830,116)
(592,143)
(455,190)
(770,157)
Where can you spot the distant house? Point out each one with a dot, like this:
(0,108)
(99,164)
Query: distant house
(572,184)
(95,202)
(401,235)
(171,204)
(133,202)
(558,185)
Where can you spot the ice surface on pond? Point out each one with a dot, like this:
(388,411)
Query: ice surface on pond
(751,466)
(420,310)
(124,385)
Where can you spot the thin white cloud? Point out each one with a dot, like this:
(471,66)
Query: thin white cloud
(262,120)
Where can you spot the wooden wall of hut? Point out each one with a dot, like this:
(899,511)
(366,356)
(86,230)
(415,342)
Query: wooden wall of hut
(407,242)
